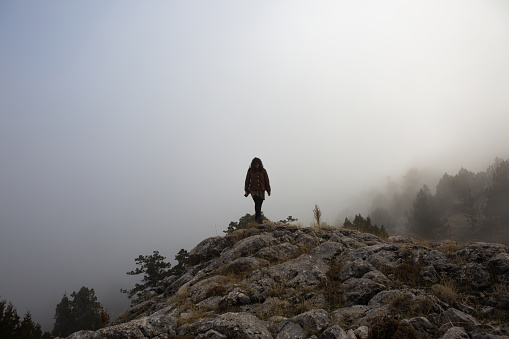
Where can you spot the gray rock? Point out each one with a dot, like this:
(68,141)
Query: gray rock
(360,291)
(464,308)
(475,276)
(430,274)
(430,257)
(177,284)
(480,252)
(500,301)
(307,241)
(211,334)
(422,325)
(198,292)
(349,315)
(234,298)
(210,303)
(314,320)
(377,277)
(327,250)
(455,333)
(303,271)
(208,249)
(378,255)
(365,239)
(136,329)
(478,334)
(372,315)
(385,297)
(244,265)
(334,332)
(237,325)
(455,317)
(291,330)
(280,252)
(499,265)
(246,247)
(360,332)
(355,269)
(400,239)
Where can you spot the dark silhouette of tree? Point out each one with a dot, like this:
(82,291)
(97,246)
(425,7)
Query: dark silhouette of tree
(424,221)
(182,258)
(63,325)
(86,310)
(83,312)
(9,320)
(381,216)
(154,268)
(364,225)
(12,328)
(28,329)
(498,197)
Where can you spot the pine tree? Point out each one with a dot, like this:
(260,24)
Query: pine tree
(424,220)
(182,258)
(86,310)
(83,312)
(28,329)
(64,322)
(9,320)
(153,267)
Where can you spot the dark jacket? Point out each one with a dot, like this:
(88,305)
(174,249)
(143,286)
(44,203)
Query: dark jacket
(257,181)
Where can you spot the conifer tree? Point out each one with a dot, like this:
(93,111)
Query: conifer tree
(83,312)
(63,318)
(153,267)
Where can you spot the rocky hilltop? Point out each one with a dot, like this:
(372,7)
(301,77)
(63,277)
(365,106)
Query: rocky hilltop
(281,281)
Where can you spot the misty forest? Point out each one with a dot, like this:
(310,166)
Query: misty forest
(464,207)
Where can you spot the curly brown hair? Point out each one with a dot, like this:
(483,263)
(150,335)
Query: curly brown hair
(254,162)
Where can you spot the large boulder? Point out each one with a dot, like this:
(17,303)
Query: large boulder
(480,252)
(241,325)
(314,320)
(208,249)
(360,291)
(454,317)
(146,327)
(355,269)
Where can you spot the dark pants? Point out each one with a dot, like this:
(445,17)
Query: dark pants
(258,207)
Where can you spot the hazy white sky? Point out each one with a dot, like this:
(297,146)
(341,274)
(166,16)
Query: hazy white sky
(128,127)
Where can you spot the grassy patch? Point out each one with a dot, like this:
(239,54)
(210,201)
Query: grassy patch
(332,288)
(408,307)
(408,272)
(445,292)
(391,328)
(216,291)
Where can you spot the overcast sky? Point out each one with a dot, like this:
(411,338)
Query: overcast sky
(128,126)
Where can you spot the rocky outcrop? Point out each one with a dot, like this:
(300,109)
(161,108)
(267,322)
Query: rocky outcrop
(272,281)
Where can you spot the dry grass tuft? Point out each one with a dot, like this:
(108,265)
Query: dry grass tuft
(408,307)
(332,288)
(500,289)
(216,291)
(243,233)
(445,292)
(391,328)
(449,247)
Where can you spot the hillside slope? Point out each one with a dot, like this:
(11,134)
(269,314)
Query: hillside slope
(288,282)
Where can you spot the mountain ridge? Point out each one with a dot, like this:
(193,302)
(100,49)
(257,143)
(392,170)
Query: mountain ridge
(285,281)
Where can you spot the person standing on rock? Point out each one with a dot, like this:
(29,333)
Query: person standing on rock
(257,182)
